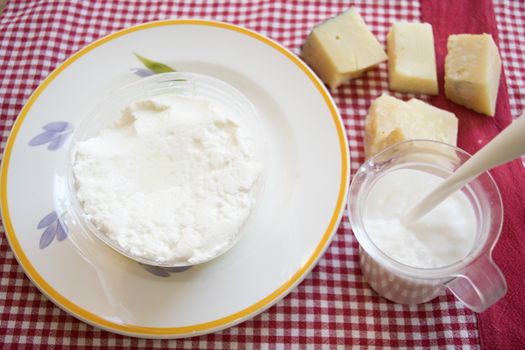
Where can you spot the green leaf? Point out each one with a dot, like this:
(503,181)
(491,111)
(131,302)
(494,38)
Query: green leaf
(154,66)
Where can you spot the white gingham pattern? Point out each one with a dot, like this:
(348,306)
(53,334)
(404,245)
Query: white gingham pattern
(333,307)
(510,16)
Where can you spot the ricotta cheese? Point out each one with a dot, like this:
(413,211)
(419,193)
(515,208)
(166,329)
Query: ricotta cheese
(172,180)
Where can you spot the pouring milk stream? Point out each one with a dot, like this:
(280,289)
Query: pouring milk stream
(508,145)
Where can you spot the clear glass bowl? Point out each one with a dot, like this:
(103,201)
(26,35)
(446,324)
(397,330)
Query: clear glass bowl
(181,83)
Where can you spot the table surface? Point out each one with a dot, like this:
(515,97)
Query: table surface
(332,307)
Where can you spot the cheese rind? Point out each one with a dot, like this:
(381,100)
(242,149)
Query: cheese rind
(342,48)
(386,115)
(391,120)
(472,72)
(412,58)
(393,137)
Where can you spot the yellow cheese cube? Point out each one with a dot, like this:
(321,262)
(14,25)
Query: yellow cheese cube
(472,72)
(412,59)
(443,124)
(342,48)
(391,120)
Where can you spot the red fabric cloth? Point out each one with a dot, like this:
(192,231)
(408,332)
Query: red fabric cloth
(501,326)
(333,307)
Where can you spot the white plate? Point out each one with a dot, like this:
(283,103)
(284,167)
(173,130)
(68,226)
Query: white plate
(307,181)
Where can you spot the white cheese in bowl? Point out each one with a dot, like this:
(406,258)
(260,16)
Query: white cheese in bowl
(172,180)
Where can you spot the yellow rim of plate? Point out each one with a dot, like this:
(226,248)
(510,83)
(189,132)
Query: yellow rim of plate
(197,328)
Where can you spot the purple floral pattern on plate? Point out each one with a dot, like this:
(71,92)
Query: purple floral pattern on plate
(142,72)
(163,271)
(54,227)
(54,135)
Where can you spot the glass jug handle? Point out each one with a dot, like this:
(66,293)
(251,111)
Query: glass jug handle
(480,285)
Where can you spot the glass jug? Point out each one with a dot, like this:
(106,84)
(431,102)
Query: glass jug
(475,280)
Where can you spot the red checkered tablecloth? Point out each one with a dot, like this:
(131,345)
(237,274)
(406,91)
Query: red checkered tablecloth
(333,307)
